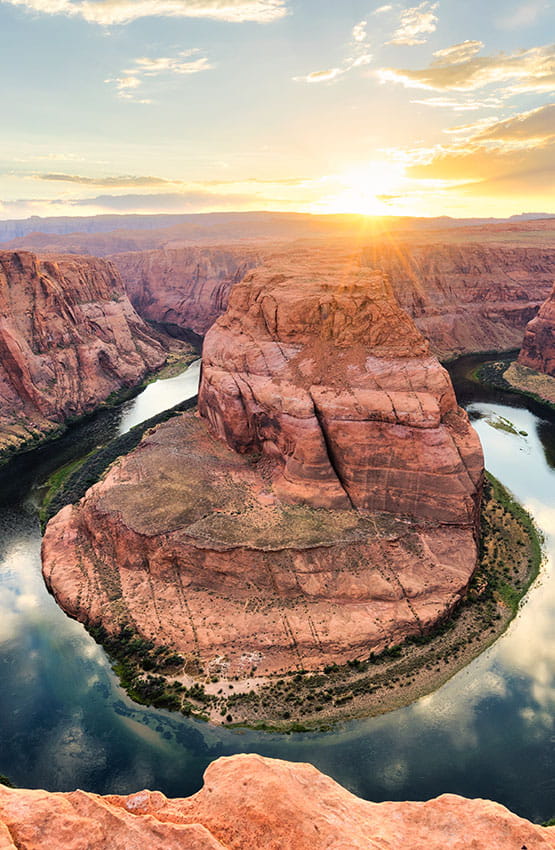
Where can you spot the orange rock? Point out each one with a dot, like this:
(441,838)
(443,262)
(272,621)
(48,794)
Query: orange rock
(261,804)
(346,520)
(319,368)
(538,347)
(68,338)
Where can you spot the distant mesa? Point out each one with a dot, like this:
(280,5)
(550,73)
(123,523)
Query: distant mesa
(323,506)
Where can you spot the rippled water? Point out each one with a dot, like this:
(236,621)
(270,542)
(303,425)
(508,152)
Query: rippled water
(488,732)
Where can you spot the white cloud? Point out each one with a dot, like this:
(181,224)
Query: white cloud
(359,57)
(321,76)
(132,78)
(359,31)
(530,70)
(381,9)
(109,12)
(414,23)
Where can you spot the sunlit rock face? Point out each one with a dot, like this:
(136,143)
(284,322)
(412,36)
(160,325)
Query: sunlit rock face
(538,347)
(322,507)
(320,370)
(261,804)
(68,338)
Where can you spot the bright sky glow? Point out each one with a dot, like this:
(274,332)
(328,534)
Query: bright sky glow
(151,106)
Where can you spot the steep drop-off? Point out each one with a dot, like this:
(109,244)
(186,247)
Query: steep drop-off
(68,338)
(261,804)
(463,297)
(538,347)
(183,289)
(329,511)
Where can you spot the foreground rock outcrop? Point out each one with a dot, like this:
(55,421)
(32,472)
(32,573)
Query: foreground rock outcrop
(328,511)
(538,347)
(69,337)
(262,804)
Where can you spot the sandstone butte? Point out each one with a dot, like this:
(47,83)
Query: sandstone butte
(69,337)
(323,506)
(254,803)
(463,297)
(538,347)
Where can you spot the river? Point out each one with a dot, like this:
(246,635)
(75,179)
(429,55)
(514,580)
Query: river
(66,723)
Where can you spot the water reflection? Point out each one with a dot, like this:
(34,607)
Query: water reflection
(487,732)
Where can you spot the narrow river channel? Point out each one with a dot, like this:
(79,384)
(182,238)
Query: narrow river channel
(66,723)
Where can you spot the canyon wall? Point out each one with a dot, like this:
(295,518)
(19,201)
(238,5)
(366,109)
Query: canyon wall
(538,347)
(323,507)
(183,288)
(463,297)
(261,804)
(68,338)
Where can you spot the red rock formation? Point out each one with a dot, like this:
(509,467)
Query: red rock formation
(463,297)
(538,347)
(467,297)
(183,288)
(344,522)
(326,375)
(261,804)
(68,338)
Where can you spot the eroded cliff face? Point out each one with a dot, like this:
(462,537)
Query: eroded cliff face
(332,381)
(327,512)
(463,297)
(184,289)
(538,347)
(68,338)
(262,804)
(467,298)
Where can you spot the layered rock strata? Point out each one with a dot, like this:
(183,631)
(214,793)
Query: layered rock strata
(538,347)
(328,510)
(332,381)
(183,289)
(463,297)
(69,337)
(262,804)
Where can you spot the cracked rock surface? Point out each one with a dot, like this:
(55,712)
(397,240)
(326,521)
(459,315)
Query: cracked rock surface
(323,505)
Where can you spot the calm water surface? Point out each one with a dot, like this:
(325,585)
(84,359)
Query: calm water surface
(489,732)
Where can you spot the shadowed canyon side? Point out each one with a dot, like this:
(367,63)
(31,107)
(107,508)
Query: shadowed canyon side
(68,338)
(325,505)
(183,289)
(463,297)
(248,801)
(538,347)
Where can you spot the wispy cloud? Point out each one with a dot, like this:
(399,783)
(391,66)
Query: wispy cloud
(359,56)
(359,31)
(530,70)
(381,9)
(110,12)
(415,23)
(122,181)
(461,104)
(132,78)
(515,155)
(524,15)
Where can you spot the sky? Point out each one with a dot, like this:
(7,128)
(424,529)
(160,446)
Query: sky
(322,106)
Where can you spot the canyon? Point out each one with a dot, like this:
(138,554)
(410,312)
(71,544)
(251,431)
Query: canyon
(463,297)
(248,801)
(538,347)
(322,507)
(69,337)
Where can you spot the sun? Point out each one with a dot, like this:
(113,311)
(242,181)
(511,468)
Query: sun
(373,189)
